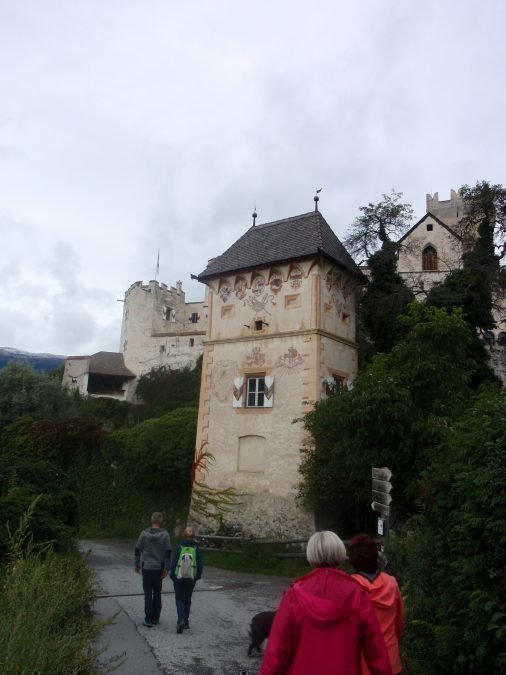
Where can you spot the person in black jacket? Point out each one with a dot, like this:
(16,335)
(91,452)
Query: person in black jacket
(153,548)
(185,570)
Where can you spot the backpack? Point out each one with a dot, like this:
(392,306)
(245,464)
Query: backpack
(186,567)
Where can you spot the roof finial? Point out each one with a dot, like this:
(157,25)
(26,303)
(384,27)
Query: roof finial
(317,199)
(254,215)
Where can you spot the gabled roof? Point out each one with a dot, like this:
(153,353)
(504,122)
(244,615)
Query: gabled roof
(282,241)
(438,220)
(109,363)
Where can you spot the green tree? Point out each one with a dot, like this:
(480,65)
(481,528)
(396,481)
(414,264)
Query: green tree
(384,300)
(378,224)
(373,237)
(479,286)
(395,414)
(162,389)
(451,558)
(28,392)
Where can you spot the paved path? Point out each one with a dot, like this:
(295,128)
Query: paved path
(222,606)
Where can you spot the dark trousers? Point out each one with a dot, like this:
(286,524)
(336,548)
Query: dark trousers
(183,589)
(152,587)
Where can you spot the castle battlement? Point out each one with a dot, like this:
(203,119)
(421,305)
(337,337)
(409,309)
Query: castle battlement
(450,211)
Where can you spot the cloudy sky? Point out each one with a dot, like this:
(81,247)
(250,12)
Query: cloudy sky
(128,126)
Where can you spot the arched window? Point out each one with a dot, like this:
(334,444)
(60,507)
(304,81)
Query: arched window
(429,258)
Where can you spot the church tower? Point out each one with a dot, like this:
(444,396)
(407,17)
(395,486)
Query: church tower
(280,336)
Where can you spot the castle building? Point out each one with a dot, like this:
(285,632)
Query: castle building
(431,249)
(159,329)
(280,336)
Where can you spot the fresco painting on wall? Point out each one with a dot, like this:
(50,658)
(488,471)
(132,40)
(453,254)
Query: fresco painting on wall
(296,277)
(338,292)
(240,288)
(256,358)
(289,360)
(224,373)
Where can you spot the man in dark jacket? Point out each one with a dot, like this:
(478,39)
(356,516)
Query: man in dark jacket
(153,549)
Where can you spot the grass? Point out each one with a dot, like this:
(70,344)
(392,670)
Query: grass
(47,626)
(257,559)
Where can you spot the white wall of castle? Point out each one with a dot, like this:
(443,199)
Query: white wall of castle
(449,254)
(159,328)
(75,374)
(306,336)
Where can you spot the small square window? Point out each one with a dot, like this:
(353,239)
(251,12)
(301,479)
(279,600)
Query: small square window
(192,342)
(259,325)
(429,227)
(194,317)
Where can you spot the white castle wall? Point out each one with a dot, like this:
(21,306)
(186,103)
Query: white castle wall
(160,328)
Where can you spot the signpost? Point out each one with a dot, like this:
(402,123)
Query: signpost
(382,499)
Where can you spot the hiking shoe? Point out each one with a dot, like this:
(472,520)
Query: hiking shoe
(147,623)
(155,622)
(179,628)
(186,625)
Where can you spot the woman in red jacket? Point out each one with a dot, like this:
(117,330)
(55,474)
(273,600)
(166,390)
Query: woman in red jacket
(325,621)
(384,593)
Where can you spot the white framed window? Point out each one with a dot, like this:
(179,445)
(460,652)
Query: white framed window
(255,392)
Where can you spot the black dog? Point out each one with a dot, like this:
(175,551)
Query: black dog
(259,630)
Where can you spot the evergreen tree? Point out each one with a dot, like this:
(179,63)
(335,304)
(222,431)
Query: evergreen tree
(479,285)
(386,296)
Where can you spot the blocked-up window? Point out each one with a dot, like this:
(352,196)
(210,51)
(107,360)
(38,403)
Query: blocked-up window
(252,454)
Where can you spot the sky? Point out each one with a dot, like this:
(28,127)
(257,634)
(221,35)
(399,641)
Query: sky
(129,127)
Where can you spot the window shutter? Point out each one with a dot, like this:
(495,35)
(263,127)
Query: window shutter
(268,391)
(237,398)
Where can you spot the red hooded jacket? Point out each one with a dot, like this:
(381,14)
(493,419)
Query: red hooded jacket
(324,622)
(387,602)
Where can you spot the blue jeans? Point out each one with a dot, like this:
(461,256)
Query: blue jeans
(152,587)
(183,589)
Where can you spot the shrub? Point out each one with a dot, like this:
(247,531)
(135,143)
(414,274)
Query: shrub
(451,561)
(46,625)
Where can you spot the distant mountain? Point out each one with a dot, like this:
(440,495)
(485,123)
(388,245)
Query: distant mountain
(38,361)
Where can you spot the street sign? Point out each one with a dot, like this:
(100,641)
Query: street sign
(382,497)
(381,473)
(381,485)
(380,508)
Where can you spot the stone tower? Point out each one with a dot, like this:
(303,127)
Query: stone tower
(160,328)
(281,335)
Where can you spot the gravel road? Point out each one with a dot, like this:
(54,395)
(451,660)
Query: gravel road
(222,606)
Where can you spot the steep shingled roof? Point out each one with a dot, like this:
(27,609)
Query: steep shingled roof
(109,363)
(282,241)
